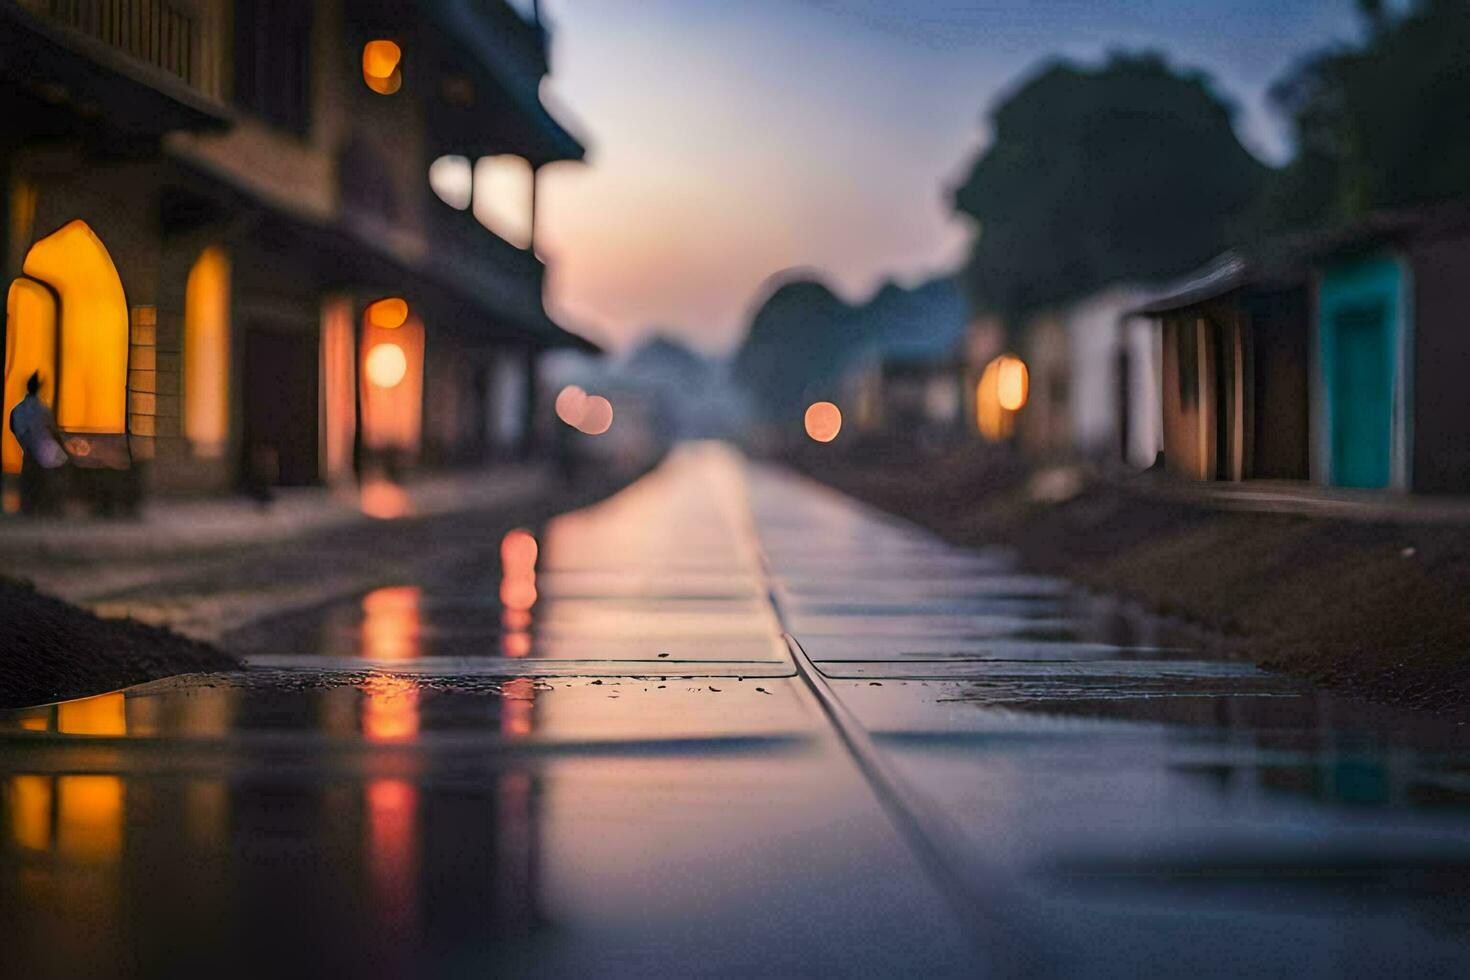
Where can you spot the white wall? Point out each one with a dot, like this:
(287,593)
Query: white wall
(1095,334)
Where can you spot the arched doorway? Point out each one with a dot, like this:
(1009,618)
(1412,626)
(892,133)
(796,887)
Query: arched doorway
(68,319)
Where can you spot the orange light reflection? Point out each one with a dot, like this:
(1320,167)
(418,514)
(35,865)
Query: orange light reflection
(390,708)
(518,703)
(384,500)
(391,623)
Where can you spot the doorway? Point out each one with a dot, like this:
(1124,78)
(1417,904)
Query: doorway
(281,405)
(1362,397)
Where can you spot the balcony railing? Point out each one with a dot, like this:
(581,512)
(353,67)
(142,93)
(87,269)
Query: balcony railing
(166,34)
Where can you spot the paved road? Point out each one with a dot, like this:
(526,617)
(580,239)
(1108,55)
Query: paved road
(728,722)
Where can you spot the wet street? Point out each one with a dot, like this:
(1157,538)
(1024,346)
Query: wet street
(729,722)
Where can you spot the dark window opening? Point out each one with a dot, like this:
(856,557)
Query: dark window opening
(272,61)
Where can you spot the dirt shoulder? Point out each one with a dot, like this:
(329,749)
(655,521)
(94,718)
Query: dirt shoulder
(1378,610)
(51,650)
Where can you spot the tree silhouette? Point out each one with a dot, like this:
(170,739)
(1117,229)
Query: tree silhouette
(1130,171)
(1383,125)
(798,341)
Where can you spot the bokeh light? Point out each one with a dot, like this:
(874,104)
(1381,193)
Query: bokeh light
(1012,382)
(505,191)
(452,178)
(571,402)
(390,314)
(1002,390)
(597,417)
(518,550)
(386,365)
(823,421)
(380,71)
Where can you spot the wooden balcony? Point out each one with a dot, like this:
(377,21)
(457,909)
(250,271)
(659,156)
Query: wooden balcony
(178,37)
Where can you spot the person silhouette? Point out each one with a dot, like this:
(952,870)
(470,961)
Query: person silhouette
(40,441)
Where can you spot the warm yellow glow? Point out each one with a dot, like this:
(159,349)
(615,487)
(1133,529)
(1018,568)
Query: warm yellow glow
(823,421)
(597,416)
(518,550)
(89,817)
(392,415)
(504,190)
(571,403)
(339,390)
(30,346)
(1012,382)
(388,314)
(384,500)
(30,811)
(207,354)
(390,708)
(385,86)
(380,58)
(102,715)
(518,592)
(392,815)
(994,421)
(92,396)
(386,365)
(380,61)
(517,644)
(391,626)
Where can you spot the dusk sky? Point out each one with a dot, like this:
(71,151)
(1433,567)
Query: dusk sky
(732,139)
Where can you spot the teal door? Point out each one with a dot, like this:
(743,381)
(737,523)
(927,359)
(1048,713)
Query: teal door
(1360,305)
(1362,398)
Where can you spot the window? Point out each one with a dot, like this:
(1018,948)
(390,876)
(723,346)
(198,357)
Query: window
(68,320)
(272,60)
(30,346)
(504,197)
(207,354)
(91,393)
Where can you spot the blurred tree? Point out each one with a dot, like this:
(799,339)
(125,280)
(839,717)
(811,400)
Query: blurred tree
(1382,125)
(798,341)
(1127,171)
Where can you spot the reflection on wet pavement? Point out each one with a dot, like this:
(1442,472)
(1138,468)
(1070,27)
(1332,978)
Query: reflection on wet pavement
(592,751)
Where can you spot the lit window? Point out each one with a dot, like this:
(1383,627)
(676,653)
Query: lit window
(30,346)
(503,197)
(452,178)
(1012,383)
(93,368)
(207,354)
(380,66)
(1002,391)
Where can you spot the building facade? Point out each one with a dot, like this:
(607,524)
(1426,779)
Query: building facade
(225,252)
